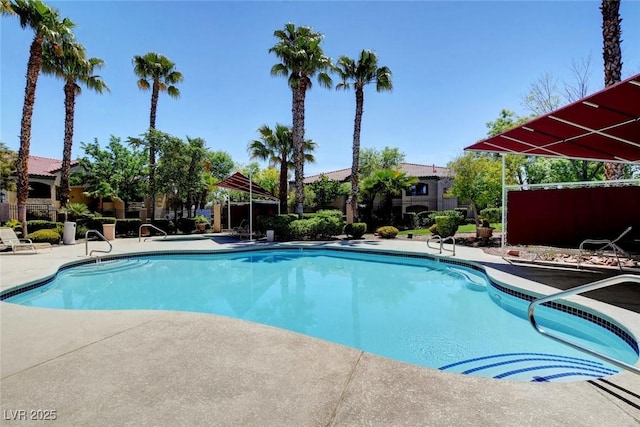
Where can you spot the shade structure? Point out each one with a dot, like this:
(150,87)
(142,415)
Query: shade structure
(604,126)
(239,182)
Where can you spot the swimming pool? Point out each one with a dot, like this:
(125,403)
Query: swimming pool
(410,309)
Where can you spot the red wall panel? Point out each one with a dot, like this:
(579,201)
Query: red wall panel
(566,217)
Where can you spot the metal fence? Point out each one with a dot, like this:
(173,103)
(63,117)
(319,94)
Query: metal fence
(35,211)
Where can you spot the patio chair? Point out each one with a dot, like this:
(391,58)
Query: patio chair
(9,238)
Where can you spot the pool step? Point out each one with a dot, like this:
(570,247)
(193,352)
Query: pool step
(534,367)
(108,267)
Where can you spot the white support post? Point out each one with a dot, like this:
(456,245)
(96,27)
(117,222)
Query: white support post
(503,240)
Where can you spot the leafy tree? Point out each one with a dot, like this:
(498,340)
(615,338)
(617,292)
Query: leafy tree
(72,67)
(158,74)
(116,171)
(372,160)
(612,56)
(360,73)
(48,28)
(7,167)
(302,58)
(268,179)
(327,190)
(478,180)
(276,146)
(388,183)
(220,164)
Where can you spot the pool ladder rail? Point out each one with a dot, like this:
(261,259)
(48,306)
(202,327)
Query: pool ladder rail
(148,237)
(86,242)
(610,281)
(441,240)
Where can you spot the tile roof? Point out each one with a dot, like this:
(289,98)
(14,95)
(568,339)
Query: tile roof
(411,169)
(45,166)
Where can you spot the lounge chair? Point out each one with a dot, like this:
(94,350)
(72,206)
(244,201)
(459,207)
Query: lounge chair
(606,243)
(239,229)
(9,238)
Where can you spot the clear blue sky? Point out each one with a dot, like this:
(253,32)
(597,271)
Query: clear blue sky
(455,66)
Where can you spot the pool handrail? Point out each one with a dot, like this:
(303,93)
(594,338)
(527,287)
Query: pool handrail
(441,240)
(86,242)
(152,226)
(615,280)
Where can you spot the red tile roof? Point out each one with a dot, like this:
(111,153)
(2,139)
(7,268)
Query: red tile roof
(411,169)
(45,166)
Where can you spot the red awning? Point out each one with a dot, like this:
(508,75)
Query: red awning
(239,182)
(604,126)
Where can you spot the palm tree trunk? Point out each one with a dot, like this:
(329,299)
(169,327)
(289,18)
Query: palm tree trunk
(69,107)
(355,165)
(33,71)
(612,55)
(282,191)
(298,143)
(152,149)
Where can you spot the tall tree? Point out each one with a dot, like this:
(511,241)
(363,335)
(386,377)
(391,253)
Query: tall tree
(478,181)
(302,58)
(388,183)
(158,74)
(612,55)
(48,28)
(360,73)
(74,68)
(114,171)
(276,147)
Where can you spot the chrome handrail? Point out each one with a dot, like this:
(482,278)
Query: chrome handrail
(86,242)
(577,290)
(441,240)
(152,226)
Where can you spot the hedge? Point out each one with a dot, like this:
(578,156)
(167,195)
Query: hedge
(387,232)
(446,225)
(355,230)
(45,236)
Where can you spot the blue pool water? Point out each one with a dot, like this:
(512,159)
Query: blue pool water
(409,309)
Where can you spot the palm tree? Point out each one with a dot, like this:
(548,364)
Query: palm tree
(276,146)
(612,55)
(302,58)
(48,28)
(360,74)
(158,73)
(73,67)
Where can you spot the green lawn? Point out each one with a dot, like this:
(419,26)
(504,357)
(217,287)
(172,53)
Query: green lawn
(467,228)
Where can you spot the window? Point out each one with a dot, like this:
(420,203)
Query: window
(419,189)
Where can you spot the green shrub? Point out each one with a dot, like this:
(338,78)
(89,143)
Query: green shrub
(387,232)
(492,215)
(326,225)
(450,213)
(186,225)
(39,224)
(13,223)
(300,229)
(447,225)
(45,236)
(434,229)
(165,225)
(128,227)
(278,223)
(81,231)
(423,219)
(355,230)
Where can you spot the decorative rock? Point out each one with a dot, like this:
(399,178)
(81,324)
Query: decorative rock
(513,252)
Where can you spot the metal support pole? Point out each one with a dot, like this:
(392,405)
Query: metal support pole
(503,241)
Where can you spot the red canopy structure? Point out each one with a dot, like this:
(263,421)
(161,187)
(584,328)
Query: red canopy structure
(604,126)
(239,182)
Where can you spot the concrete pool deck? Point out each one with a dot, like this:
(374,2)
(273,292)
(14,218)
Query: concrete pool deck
(168,368)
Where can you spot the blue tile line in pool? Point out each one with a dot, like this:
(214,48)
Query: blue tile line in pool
(574,311)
